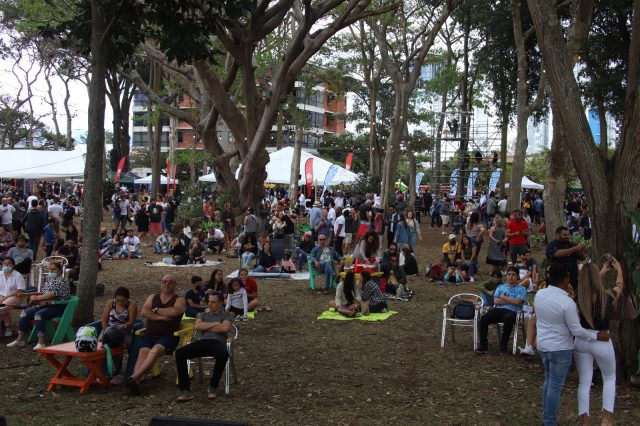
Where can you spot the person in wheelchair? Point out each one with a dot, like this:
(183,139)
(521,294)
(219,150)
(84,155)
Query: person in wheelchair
(213,326)
(507,299)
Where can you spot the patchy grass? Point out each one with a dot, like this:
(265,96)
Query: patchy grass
(294,369)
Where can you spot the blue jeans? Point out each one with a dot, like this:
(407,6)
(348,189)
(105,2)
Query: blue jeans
(301,258)
(556,367)
(40,315)
(136,254)
(247,257)
(488,300)
(326,268)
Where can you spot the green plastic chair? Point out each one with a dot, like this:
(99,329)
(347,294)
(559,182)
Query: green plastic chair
(312,276)
(60,329)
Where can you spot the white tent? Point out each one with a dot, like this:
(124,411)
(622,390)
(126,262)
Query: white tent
(527,183)
(34,164)
(211,177)
(147,180)
(279,168)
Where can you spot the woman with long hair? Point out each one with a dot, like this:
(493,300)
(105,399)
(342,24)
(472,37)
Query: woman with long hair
(413,230)
(347,300)
(367,248)
(596,306)
(469,256)
(216,283)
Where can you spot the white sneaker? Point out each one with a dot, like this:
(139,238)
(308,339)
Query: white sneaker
(16,344)
(39,346)
(527,350)
(8,332)
(471,279)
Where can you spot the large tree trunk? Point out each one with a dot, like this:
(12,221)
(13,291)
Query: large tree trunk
(558,164)
(390,167)
(412,180)
(155,141)
(504,140)
(610,186)
(67,110)
(374,148)
(463,157)
(94,161)
(295,166)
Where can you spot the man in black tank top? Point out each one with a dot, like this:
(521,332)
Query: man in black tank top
(164,313)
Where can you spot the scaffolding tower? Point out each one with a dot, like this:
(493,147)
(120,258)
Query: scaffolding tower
(483,144)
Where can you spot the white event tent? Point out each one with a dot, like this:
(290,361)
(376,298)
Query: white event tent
(211,177)
(147,180)
(35,164)
(527,183)
(279,168)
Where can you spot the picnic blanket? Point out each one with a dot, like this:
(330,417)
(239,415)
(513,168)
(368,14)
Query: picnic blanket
(331,314)
(298,276)
(193,265)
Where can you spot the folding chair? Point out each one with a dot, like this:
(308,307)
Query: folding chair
(57,329)
(520,316)
(230,367)
(313,273)
(185,334)
(448,317)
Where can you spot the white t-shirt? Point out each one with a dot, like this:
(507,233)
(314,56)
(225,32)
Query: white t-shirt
(302,199)
(338,202)
(340,221)
(55,210)
(131,243)
(6,213)
(30,198)
(217,234)
(502,205)
(377,201)
(11,284)
(124,207)
(331,215)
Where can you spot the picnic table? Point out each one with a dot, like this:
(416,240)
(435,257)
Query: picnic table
(93,361)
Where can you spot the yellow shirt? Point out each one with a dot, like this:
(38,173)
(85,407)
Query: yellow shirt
(451,251)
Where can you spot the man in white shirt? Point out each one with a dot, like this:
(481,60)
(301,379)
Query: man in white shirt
(340,232)
(30,198)
(502,206)
(131,246)
(55,209)
(6,214)
(331,215)
(339,201)
(557,324)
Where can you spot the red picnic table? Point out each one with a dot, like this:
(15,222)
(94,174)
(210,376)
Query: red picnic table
(92,360)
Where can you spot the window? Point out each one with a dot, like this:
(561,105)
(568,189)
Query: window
(139,118)
(180,136)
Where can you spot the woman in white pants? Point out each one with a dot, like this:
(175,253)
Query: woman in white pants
(596,306)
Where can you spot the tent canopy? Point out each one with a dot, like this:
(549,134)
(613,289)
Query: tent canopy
(211,177)
(527,183)
(34,164)
(147,180)
(279,168)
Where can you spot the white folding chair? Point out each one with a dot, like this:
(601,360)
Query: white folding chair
(230,367)
(520,317)
(448,317)
(46,262)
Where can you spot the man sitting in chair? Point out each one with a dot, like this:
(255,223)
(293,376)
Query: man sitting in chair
(163,312)
(507,299)
(322,256)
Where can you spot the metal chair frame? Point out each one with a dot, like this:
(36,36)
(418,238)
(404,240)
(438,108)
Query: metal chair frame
(448,319)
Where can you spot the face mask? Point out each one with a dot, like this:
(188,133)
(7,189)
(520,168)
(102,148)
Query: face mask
(52,275)
(7,268)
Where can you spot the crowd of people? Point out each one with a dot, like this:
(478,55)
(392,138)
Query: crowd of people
(346,238)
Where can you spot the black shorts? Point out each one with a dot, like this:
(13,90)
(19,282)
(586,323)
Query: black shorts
(237,311)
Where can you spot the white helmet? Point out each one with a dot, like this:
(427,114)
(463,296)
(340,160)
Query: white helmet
(86,339)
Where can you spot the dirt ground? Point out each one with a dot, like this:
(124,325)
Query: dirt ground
(294,369)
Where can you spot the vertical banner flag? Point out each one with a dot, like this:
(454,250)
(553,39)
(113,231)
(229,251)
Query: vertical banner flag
(347,164)
(308,175)
(471,181)
(419,177)
(495,177)
(453,183)
(119,170)
(331,173)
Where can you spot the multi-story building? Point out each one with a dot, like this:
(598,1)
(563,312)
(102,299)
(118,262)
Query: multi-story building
(324,111)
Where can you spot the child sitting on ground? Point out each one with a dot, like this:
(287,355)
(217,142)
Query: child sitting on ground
(287,264)
(456,276)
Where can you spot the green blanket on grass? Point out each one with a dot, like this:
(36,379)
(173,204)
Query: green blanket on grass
(333,315)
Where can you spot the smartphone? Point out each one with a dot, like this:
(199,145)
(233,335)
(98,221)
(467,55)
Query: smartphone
(606,258)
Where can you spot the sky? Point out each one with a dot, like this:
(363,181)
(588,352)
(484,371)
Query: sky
(79,102)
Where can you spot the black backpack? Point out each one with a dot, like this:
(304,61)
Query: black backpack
(464,310)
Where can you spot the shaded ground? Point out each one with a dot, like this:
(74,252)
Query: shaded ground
(294,369)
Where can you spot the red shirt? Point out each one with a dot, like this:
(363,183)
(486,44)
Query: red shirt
(251,286)
(514,226)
